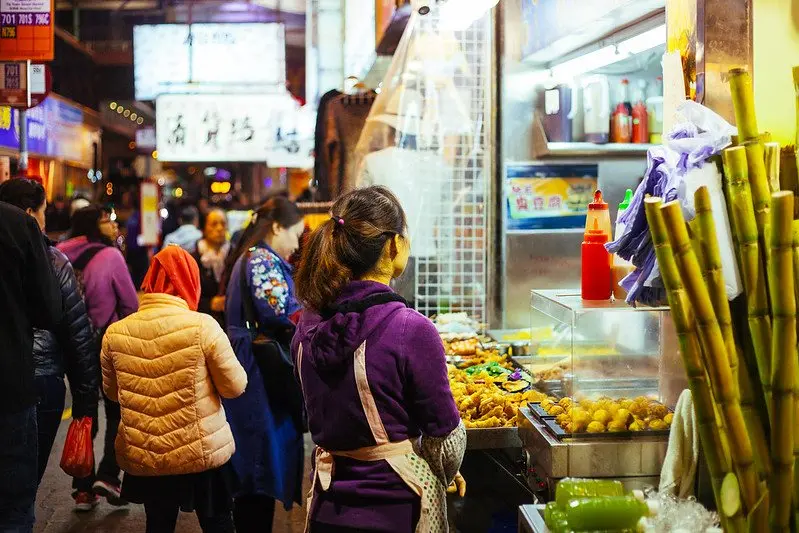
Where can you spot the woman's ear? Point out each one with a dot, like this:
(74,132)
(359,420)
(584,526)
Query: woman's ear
(394,247)
(275,228)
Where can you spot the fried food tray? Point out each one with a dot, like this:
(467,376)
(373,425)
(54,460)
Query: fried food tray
(549,422)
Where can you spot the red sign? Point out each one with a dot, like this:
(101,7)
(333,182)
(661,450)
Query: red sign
(27,30)
(23,84)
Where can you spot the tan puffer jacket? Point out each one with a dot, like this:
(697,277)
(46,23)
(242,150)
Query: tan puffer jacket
(167,367)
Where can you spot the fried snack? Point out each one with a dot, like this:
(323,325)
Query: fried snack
(555,410)
(596,427)
(668,418)
(658,424)
(484,404)
(463,348)
(602,416)
(616,427)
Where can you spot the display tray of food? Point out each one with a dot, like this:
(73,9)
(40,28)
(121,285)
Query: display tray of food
(603,417)
(489,396)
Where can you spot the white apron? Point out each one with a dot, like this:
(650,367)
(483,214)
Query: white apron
(409,466)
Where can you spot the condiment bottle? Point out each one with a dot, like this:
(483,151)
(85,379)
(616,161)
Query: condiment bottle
(621,130)
(595,276)
(598,209)
(640,116)
(621,267)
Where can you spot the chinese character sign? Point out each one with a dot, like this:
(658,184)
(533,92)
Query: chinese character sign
(219,128)
(26,30)
(549,196)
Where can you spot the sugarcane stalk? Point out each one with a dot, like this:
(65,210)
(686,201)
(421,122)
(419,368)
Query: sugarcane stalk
(752,272)
(795,251)
(714,279)
(759,185)
(789,178)
(743,101)
(783,359)
(727,395)
(772,154)
(714,448)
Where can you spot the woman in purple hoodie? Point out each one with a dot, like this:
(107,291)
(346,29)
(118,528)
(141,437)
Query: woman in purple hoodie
(110,296)
(373,372)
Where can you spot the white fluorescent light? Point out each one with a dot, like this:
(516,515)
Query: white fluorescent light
(458,15)
(602,57)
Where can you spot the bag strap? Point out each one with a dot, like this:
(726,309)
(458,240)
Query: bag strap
(250,316)
(85,258)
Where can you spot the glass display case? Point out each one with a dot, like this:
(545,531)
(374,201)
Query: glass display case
(588,350)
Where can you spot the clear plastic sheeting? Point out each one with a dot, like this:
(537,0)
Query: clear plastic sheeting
(425,139)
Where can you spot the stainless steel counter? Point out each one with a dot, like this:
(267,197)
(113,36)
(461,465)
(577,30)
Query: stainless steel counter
(530,519)
(634,461)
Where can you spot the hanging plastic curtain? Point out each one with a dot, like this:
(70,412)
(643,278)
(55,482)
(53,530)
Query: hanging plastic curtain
(424,140)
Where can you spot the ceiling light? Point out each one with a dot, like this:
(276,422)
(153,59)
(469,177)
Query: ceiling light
(126,114)
(112,105)
(120,109)
(133,116)
(140,121)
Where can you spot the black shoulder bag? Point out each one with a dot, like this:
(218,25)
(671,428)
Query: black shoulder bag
(273,356)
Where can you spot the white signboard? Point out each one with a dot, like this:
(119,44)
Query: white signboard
(208,58)
(224,127)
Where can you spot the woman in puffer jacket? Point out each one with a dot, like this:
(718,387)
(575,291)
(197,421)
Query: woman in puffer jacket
(71,348)
(168,365)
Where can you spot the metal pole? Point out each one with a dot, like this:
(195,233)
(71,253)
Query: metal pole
(23,141)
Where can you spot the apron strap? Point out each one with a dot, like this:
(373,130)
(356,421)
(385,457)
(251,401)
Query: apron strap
(367,400)
(299,367)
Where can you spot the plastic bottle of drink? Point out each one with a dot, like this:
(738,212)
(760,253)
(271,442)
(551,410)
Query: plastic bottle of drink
(621,130)
(571,488)
(640,116)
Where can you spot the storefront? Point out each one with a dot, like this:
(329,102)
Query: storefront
(497,127)
(63,142)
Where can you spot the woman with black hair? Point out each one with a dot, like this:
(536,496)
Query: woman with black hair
(267,419)
(110,296)
(71,348)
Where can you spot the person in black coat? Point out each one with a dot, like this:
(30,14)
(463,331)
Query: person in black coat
(29,298)
(211,255)
(70,348)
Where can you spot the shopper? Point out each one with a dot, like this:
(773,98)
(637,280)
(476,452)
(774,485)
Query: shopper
(110,295)
(29,297)
(374,378)
(168,365)
(212,252)
(267,419)
(187,235)
(70,348)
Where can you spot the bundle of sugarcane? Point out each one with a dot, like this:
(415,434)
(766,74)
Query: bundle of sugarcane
(741,360)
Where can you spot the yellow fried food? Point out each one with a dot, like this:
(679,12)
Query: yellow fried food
(562,419)
(668,418)
(638,425)
(581,417)
(546,404)
(602,416)
(623,416)
(624,403)
(658,424)
(555,410)
(658,410)
(616,427)
(566,402)
(596,427)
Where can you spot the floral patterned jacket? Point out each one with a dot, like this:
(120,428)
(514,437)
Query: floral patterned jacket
(272,287)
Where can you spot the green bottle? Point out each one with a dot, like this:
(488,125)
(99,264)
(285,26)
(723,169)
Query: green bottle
(570,488)
(607,512)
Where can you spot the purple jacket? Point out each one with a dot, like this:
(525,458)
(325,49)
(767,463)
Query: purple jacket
(407,374)
(110,294)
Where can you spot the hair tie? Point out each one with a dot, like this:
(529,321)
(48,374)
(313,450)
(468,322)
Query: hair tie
(337,220)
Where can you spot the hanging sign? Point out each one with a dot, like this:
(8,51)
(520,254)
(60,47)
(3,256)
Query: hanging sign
(224,127)
(26,30)
(554,196)
(150,224)
(14,83)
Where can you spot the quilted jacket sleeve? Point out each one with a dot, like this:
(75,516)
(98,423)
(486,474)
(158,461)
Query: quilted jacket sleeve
(228,375)
(78,340)
(110,385)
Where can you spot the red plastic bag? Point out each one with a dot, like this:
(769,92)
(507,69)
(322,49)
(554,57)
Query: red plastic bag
(77,460)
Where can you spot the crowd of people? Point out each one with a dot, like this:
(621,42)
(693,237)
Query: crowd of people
(213,369)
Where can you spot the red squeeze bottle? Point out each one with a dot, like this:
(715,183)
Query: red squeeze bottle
(596,262)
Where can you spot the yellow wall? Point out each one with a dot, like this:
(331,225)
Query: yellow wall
(776,52)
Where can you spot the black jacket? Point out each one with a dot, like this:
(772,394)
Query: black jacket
(29,297)
(72,347)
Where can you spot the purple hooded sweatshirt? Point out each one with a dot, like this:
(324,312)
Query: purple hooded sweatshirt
(407,374)
(110,294)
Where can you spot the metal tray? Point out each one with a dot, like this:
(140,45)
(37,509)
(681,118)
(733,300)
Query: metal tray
(492,438)
(561,433)
(538,411)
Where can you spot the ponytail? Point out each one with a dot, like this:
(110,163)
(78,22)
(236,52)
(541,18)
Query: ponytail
(349,245)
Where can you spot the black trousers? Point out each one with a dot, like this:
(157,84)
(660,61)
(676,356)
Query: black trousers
(18,456)
(253,514)
(162,517)
(51,392)
(108,469)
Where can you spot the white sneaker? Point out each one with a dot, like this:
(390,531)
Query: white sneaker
(110,492)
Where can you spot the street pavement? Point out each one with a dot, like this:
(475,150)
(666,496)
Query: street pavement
(54,505)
